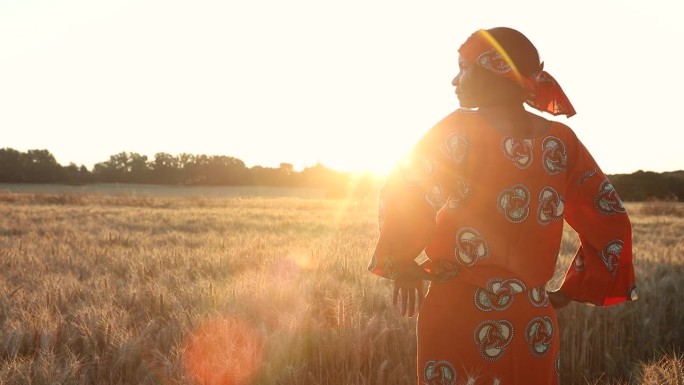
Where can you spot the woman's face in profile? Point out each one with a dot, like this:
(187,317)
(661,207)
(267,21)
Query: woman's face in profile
(468,87)
(477,87)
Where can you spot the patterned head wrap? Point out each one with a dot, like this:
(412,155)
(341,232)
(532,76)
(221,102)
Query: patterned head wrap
(543,91)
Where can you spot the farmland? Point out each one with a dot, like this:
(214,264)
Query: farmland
(221,288)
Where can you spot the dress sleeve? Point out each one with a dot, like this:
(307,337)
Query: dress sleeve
(601,272)
(410,198)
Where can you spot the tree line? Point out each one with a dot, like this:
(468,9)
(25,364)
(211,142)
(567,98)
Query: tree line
(40,166)
(648,185)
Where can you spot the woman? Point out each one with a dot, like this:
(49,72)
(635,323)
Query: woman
(485,193)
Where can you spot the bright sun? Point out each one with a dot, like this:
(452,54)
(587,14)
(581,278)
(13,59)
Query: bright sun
(368,156)
(378,165)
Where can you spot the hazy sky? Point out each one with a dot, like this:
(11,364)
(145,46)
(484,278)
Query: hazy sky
(351,84)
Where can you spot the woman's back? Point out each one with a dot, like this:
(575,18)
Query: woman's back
(508,196)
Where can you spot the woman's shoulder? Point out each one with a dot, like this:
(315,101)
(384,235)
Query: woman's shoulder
(458,120)
(464,114)
(563,130)
(454,124)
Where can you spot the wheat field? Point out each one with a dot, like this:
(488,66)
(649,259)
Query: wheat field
(144,289)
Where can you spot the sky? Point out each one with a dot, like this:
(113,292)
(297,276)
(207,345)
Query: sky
(349,84)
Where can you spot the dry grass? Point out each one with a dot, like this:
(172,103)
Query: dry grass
(100,289)
(661,207)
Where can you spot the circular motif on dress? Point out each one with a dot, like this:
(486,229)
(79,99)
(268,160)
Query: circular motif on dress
(444,270)
(455,147)
(538,296)
(586,175)
(551,206)
(459,195)
(607,202)
(499,294)
(435,198)
(554,158)
(519,151)
(611,255)
(492,337)
(493,61)
(557,364)
(416,170)
(514,203)
(632,293)
(539,336)
(470,246)
(439,373)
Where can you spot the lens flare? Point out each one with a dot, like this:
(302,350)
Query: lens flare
(499,49)
(223,352)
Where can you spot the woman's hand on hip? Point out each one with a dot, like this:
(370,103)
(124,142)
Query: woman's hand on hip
(409,288)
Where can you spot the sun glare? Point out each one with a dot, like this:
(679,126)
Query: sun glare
(378,161)
(375,167)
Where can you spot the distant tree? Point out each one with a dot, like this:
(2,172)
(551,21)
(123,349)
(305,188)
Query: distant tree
(103,172)
(70,173)
(10,166)
(286,168)
(193,167)
(284,176)
(84,176)
(73,174)
(335,183)
(124,167)
(225,170)
(185,162)
(165,169)
(262,176)
(645,185)
(138,170)
(113,170)
(40,166)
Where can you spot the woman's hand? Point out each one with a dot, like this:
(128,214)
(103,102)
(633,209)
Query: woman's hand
(409,287)
(558,299)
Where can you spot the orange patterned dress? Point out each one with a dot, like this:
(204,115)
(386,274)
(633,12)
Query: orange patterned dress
(488,211)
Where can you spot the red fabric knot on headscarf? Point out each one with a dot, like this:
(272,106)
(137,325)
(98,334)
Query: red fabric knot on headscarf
(543,91)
